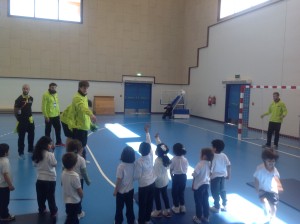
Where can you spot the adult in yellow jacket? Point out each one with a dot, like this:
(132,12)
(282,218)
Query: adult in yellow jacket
(51,112)
(278,111)
(66,119)
(82,115)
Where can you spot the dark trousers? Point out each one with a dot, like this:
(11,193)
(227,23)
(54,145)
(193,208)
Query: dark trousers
(273,127)
(164,194)
(45,191)
(72,212)
(82,136)
(146,195)
(201,201)
(55,122)
(24,127)
(217,186)
(121,200)
(178,188)
(4,201)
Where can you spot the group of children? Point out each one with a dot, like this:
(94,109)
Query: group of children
(213,169)
(44,161)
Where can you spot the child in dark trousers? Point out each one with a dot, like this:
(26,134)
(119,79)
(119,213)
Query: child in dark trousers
(124,186)
(72,191)
(178,170)
(168,111)
(6,184)
(200,185)
(220,170)
(45,164)
(144,173)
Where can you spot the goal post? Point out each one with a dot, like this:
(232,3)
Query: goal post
(255,100)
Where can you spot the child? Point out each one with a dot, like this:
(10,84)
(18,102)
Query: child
(80,168)
(168,111)
(161,166)
(267,183)
(124,186)
(6,184)
(220,169)
(45,163)
(178,169)
(72,190)
(144,173)
(200,186)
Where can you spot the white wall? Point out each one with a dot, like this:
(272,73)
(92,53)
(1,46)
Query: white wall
(263,46)
(11,88)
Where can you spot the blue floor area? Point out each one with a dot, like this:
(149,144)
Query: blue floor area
(104,150)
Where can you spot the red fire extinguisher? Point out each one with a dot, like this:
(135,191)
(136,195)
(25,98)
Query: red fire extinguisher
(213,100)
(209,102)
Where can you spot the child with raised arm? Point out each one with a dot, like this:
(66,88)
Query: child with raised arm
(75,146)
(144,173)
(6,185)
(178,170)
(124,186)
(220,170)
(161,167)
(267,183)
(45,164)
(72,190)
(201,178)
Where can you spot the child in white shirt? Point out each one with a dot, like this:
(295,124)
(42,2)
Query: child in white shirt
(72,190)
(178,169)
(144,173)
(124,186)
(45,163)
(200,185)
(267,183)
(161,166)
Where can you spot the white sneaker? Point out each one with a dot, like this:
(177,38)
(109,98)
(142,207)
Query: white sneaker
(196,219)
(156,214)
(182,209)
(224,209)
(81,215)
(22,157)
(176,210)
(167,213)
(214,209)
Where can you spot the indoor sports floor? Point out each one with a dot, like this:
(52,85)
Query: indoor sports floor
(115,132)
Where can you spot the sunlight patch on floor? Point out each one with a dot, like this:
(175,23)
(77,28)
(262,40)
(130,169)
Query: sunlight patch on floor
(120,131)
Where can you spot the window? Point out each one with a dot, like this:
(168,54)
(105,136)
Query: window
(230,8)
(62,10)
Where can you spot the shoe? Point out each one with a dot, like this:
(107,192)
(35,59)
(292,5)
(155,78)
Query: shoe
(196,219)
(54,215)
(87,162)
(156,214)
(214,209)
(266,146)
(43,212)
(21,157)
(81,215)
(176,210)
(224,208)
(182,209)
(9,218)
(167,213)
(205,220)
(30,151)
(275,147)
(60,145)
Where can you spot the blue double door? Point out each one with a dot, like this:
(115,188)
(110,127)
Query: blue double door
(137,98)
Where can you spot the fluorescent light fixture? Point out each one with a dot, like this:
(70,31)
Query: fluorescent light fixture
(139,74)
(120,131)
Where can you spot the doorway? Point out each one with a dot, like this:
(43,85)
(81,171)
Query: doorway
(137,98)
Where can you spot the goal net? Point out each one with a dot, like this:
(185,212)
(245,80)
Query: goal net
(255,101)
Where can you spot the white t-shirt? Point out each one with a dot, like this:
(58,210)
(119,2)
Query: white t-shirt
(4,168)
(81,164)
(201,174)
(179,165)
(70,182)
(46,167)
(161,173)
(219,165)
(266,178)
(125,172)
